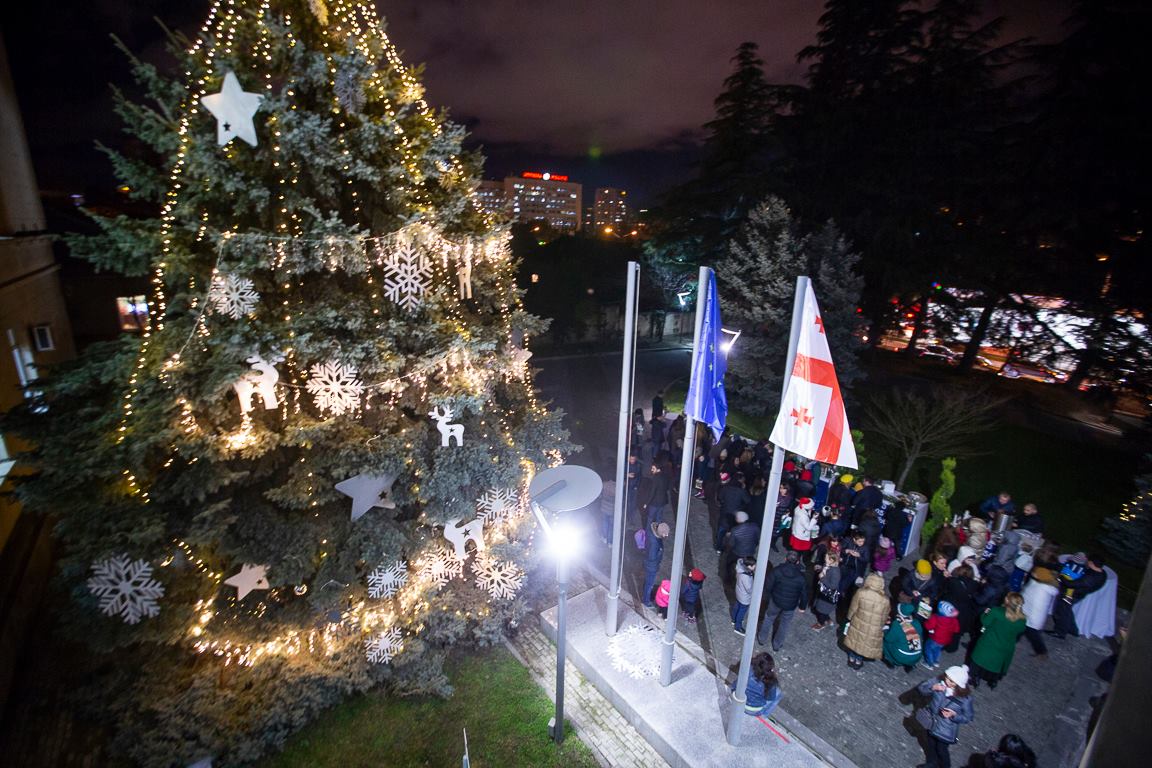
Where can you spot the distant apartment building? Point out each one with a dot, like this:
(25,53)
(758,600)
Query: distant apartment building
(611,208)
(548,197)
(492,198)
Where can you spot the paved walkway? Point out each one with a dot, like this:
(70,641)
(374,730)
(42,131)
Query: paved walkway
(866,714)
(596,722)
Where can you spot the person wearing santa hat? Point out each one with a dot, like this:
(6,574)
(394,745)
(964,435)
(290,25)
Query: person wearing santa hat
(949,708)
(803,526)
(690,594)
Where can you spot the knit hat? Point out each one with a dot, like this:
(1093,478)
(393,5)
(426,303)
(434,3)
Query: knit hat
(947,609)
(958,675)
(661,530)
(789,466)
(806,474)
(696,575)
(1079,558)
(885,542)
(806,503)
(847,479)
(923,568)
(741,516)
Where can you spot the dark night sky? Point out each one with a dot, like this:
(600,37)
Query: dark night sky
(542,85)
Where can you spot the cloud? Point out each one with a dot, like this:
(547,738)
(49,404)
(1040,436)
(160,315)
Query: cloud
(613,75)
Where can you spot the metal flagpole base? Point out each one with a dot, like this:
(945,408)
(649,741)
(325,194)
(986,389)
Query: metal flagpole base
(613,617)
(666,661)
(736,718)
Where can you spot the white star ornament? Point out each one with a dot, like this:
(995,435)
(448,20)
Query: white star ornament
(368,491)
(250,577)
(233,109)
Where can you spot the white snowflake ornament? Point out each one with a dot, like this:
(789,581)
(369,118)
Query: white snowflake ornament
(636,651)
(498,578)
(233,295)
(381,648)
(441,566)
(334,386)
(407,271)
(384,582)
(125,588)
(497,505)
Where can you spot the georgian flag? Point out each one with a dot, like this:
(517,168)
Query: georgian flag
(812,421)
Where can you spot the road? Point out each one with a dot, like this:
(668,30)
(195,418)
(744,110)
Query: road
(587,388)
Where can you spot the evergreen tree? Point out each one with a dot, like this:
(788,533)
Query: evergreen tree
(323,283)
(940,508)
(834,268)
(698,218)
(757,283)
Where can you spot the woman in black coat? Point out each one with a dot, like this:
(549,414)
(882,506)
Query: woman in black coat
(961,589)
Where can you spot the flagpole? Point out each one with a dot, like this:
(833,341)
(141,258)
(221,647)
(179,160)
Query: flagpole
(627,377)
(687,456)
(736,714)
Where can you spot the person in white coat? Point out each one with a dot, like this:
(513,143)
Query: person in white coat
(804,526)
(1039,595)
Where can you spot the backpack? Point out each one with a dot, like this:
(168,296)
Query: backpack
(641,538)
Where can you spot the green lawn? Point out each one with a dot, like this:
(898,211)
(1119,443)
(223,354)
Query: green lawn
(505,712)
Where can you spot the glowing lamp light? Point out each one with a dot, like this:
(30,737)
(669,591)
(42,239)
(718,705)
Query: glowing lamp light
(726,346)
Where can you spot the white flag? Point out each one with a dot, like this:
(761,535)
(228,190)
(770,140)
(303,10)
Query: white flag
(812,421)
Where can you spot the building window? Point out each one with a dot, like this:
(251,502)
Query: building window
(133,311)
(42,338)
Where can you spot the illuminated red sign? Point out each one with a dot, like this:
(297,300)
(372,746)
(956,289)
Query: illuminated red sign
(543,176)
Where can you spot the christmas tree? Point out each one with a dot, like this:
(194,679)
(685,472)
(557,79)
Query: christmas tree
(307,477)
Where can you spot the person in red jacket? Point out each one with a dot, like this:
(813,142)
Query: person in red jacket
(939,630)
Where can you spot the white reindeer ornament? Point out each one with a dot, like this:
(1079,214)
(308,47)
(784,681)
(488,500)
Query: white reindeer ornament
(459,536)
(448,432)
(261,380)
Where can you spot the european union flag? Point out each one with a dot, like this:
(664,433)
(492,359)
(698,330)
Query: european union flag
(706,400)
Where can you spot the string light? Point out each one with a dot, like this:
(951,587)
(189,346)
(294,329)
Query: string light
(287,258)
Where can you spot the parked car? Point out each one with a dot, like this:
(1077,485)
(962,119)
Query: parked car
(939,352)
(1024,370)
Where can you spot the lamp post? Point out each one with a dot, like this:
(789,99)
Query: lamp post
(565,488)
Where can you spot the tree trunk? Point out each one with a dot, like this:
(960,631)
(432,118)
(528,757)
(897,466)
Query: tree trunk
(908,464)
(979,332)
(918,326)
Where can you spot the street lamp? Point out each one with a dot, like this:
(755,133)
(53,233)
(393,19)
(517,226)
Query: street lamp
(726,345)
(565,488)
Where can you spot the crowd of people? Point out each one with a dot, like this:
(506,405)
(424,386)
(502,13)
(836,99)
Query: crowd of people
(988,577)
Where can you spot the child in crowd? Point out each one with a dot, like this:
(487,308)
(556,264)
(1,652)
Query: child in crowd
(938,632)
(884,555)
(745,572)
(763,691)
(663,597)
(690,595)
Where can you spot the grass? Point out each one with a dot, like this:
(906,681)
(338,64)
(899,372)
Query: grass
(505,712)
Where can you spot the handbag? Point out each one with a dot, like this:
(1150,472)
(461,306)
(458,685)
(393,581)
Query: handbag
(641,538)
(831,594)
